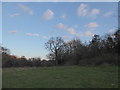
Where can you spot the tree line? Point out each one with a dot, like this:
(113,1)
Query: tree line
(98,51)
(14,61)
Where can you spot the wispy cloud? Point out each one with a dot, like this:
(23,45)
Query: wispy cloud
(82,10)
(13,31)
(48,14)
(61,26)
(37,35)
(89,33)
(32,34)
(92,25)
(26,9)
(94,12)
(71,31)
(15,14)
(45,37)
(108,14)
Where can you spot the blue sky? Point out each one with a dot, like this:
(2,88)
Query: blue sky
(27,26)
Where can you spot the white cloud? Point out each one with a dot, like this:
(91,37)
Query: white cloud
(94,12)
(37,35)
(48,14)
(31,34)
(89,33)
(108,14)
(15,14)
(13,31)
(82,10)
(92,25)
(26,9)
(63,16)
(61,26)
(71,31)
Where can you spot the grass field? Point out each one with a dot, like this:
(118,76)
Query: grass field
(61,77)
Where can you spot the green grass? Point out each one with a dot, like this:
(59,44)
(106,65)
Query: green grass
(61,77)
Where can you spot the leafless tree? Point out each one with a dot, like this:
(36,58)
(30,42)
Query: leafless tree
(55,45)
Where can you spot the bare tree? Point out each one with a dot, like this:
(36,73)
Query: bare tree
(55,45)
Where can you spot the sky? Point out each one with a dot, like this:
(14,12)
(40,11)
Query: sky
(26,27)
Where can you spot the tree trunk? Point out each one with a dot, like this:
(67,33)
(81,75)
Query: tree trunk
(56,58)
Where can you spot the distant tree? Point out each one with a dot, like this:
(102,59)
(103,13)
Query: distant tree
(4,50)
(110,44)
(36,62)
(74,51)
(117,41)
(94,45)
(23,61)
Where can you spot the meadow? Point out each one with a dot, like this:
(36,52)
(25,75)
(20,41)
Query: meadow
(61,77)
